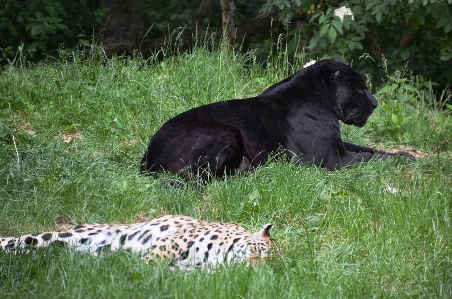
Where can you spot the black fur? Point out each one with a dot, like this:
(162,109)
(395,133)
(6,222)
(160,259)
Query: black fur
(299,114)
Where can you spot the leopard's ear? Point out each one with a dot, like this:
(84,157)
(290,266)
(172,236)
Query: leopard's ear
(339,59)
(264,233)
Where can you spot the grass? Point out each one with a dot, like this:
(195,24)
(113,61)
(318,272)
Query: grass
(339,234)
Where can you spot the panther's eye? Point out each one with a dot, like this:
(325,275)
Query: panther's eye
(335,75)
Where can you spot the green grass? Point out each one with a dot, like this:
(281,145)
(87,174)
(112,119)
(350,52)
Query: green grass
(339,234)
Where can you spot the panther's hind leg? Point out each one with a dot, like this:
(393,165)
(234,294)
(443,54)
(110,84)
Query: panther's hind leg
(204,150)
(218,150)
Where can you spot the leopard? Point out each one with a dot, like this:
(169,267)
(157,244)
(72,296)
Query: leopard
(186,243)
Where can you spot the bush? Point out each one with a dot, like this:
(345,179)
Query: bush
(38,28)
(412,32)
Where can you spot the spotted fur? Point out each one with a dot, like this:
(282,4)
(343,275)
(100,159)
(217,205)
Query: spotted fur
(184,241)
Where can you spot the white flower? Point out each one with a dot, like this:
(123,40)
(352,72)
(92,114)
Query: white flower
(115,120)
(392,189)
(343,11)
(309,63)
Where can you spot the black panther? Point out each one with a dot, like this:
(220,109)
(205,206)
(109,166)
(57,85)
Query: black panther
(299,115)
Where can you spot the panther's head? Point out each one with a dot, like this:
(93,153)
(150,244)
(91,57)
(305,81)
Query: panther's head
(346,91)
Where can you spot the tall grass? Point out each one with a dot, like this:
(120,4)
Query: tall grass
(372,230)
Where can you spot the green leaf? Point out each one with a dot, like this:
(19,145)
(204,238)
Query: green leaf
(405,54)
(403,98)
(346,25)
(42,46)
(12,30)
(33,45)
(35,30)
(378,16)
(338,26)
(313,42)
(29,26)
(351,46)
(447,28)
(314,16)
(445,55)
(410,88)
(51,20)
(332,34)
(395,119)
(265,8)
(322,42)
(49,28)
(362,28)
(61,26)
(442,22)
(376,9)
(324,30)
(38,16)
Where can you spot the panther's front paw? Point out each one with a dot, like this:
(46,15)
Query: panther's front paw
(406,155)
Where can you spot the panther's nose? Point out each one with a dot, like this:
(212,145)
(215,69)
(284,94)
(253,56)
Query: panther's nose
(373,102)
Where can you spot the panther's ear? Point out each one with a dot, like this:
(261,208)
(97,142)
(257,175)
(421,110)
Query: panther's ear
(338,59)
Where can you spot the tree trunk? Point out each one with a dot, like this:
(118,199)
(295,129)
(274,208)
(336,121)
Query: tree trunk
(374,47)
(121,29)
(228,13)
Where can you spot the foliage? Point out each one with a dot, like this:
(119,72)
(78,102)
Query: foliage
(39,27)
(166,15)
(413,31)
(404,101)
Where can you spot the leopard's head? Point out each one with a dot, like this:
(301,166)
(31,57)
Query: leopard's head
(262,237)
